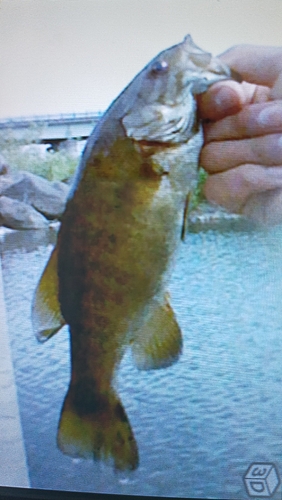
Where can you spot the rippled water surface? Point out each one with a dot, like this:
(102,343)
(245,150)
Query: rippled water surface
(198,424)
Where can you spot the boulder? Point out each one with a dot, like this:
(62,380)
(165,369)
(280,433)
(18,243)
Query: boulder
(18,215)
(47,197)
(36,150)
(4,166)
(6,181)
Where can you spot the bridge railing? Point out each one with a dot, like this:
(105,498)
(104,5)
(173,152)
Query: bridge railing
(25,121)
(50,128)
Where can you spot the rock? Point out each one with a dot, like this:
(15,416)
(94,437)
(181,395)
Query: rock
(47,197)
(4,166)
(208,217)
(18,215)
(72,147)
(6,180)
(36,150)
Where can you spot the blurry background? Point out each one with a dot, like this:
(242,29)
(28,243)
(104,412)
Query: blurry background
(61,56)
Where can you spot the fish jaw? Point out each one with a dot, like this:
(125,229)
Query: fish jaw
(208,70)
(164,108)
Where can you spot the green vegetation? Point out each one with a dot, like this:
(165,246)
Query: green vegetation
(55,165)
(198,195)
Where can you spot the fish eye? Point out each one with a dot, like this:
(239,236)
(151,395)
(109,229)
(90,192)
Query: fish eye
(159,67)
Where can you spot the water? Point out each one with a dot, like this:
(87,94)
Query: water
(202,422)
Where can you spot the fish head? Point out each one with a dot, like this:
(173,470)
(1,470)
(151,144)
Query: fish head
(164,104)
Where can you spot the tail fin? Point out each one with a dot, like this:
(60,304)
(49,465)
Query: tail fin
(97,429)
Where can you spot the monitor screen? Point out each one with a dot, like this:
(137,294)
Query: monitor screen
(140,287)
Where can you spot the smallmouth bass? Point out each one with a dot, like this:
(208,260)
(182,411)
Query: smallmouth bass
(106,277)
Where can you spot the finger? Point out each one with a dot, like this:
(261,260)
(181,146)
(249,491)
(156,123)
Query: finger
(265,208)
(256,64)
(222,99)
(253,120)
(263,150)
(232,189)
(276,91)
(229,97)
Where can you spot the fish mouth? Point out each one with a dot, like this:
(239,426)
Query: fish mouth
(209,69)
(220,70)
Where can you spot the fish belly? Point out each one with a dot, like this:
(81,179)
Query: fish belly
(113,258)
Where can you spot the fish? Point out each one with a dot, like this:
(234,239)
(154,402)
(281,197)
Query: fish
(124,219)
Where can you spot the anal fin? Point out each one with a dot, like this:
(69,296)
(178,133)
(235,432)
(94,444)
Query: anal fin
(46,312)
(158,344)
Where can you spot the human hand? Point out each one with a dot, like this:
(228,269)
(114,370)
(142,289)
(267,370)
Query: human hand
(243,140)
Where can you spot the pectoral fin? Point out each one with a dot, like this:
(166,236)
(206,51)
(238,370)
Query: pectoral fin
(185,216)
(159,343)
(46,312)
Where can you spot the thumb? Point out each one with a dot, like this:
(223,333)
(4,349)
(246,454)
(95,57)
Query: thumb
(221,99)
(261,69)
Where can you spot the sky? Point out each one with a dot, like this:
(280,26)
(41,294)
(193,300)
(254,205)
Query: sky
(70,56)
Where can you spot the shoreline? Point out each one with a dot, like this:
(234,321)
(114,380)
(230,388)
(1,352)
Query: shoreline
(13,469)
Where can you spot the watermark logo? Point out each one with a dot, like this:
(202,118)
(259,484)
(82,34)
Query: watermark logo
(261,479)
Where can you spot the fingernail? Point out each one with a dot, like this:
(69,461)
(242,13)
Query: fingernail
(271,116)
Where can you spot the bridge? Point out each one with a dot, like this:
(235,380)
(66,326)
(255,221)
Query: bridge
(51,129)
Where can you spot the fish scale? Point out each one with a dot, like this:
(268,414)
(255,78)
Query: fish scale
(123,221)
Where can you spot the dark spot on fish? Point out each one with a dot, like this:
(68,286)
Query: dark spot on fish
(120,438)
(96,162)
(101,322)
(146,170)
(95,240)
(122,278)
(120,413)
(112,238)
(86,399)
(99,440)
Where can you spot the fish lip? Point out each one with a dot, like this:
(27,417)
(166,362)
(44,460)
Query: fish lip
(223,71)
(201,86)
(215,65)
